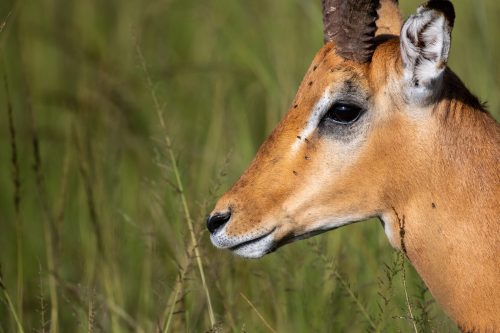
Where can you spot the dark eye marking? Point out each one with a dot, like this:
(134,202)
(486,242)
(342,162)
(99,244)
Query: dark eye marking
(343,113)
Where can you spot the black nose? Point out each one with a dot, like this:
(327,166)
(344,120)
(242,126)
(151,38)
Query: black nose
(217,220)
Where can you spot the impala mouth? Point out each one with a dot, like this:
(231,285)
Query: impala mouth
(259,246)
(296,237)
(242,246)
(265,244)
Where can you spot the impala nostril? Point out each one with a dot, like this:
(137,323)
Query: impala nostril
(217,220)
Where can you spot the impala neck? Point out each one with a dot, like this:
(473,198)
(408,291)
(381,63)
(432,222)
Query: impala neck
(449,227)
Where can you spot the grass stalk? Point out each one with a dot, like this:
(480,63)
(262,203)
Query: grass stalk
(404,254)
(145,300)
(172,307)
(5,20)
(16,178)
(49,249)
(41,300)
(179,184)
(333,270)
(49,227)
(258,313)
(10,305)
(106,272)
(90,314)
(172,300)
(355,298)
(124,316)
(407,298)
(54,302)
(91,317)
(385,291)
(112,307)
(190,228)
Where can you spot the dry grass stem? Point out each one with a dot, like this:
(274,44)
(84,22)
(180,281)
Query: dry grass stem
(49,226)
(10,305)
(113,308)
(345,285)
(41,300)
(172,306)
(179,183)
(407,299)
(402,232)
(5,20)
(91,315)
(258,313)
(16,178)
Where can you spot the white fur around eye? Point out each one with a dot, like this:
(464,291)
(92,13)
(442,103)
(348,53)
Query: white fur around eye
(317,113)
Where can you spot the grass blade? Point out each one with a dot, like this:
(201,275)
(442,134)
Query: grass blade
(10,305)
(258,313)
(178,180)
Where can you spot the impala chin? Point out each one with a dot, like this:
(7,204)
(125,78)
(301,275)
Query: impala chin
(256,248)
(250,246)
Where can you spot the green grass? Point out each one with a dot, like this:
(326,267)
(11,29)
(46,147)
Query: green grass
(98,239)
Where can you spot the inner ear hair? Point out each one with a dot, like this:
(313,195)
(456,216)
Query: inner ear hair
(425,43)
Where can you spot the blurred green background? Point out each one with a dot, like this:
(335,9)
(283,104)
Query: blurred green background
(93,230)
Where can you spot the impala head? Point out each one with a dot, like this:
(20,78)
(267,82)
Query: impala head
(346,150)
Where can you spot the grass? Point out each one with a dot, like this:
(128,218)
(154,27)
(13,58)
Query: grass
(123,121)
(10,306)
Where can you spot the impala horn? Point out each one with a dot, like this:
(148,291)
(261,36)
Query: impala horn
(351,26)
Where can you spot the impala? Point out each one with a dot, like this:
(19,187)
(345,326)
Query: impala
(381,127)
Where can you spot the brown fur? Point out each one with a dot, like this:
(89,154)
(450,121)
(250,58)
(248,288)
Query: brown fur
(389,21)
(449,196)
(437,166)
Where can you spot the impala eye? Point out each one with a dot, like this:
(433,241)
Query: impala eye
(343,113)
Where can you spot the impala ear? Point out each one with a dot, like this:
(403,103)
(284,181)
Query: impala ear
(425,42)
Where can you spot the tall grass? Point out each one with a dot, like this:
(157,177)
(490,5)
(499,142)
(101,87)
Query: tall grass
(110,169)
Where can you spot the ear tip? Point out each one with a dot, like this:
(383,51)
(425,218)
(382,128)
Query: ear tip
(443,6)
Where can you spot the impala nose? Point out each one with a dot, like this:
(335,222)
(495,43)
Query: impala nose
(217,220)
